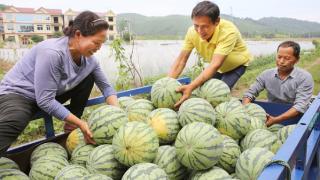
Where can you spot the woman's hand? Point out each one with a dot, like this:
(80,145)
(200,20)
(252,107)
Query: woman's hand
(87,134)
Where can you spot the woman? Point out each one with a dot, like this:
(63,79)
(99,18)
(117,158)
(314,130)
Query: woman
(51,73)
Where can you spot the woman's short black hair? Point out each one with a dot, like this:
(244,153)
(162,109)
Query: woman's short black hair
(295,46)
(87,22)
(206,8)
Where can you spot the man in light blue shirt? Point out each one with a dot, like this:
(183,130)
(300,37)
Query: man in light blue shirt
(284,84)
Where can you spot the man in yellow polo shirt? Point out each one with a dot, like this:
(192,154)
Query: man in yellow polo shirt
(219,42)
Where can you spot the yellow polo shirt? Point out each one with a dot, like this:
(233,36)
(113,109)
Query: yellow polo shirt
(226,40)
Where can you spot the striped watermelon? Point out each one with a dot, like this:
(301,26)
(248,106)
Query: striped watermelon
(12,174)
(229,157)
(6,163)
(256,123)
(135,142)
(145,171)
(251,162)
(254,110)
(125,101)
(163,93)
(275,128)
(215,91)
(95,177)
(139,110)
(167,160)
(232,119)
(165,123)
(199,146)
(101,161)
(214,173)
(196,110)
(261,138)
(71,172)
(105,121)
(285,131)
(47,167)
(49,148)
(74,139)
(81,154)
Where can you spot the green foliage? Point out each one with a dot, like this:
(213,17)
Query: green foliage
(316,43)
(36,38)
(194,71)
(57,34)
(176,26)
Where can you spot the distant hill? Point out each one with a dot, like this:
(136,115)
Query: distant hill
(176,26)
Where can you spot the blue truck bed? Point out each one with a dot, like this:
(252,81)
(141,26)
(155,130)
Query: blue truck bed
(301,150)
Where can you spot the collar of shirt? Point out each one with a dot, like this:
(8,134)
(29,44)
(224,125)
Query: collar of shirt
(291,75)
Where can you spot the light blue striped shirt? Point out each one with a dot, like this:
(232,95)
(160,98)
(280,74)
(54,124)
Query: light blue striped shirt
(296,89)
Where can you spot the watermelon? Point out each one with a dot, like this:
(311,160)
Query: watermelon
(95,177)
(71,172)
(49,148)
(199,146)
(125,101)
(139,110)
(256,123)
(261,138)
(196,110)
(285,131)
(214,173)
(74,139)
(101,161)
(145,171)
(251,162)
(163,93)
(135,142)
(105,121)
(6,163)
(230,154)
(81,153)
(167,160)
(165,123)
(12,174)
(254,110)
(275,128)
(232,119)
(215,91)
(47,167)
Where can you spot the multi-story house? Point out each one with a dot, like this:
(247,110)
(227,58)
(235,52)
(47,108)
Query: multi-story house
(20,24)
(109,16)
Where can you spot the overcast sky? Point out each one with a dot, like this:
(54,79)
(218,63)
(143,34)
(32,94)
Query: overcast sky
(299,9)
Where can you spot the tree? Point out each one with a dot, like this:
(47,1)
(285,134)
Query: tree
(57,34)
(36,38)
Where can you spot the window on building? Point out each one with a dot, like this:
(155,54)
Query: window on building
(9,17)
(10,27)
(110,19)
(56,28)
(26,17)
(111,27)
(47,18)
(11,39)
(48,27)
(55,20)
(111,37)
(39,27)
(25,28)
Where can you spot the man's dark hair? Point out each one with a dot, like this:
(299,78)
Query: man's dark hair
(88,23)
(206,8)
(295,46)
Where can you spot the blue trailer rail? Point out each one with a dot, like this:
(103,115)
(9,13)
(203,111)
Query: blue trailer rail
(301,150)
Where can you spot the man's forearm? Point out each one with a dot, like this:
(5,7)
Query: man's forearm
(112,100)
(246,100)
(291,113)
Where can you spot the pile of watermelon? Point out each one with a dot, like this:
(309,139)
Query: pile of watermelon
(211,136)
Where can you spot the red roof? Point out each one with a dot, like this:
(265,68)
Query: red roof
(54,11)
(24,10)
